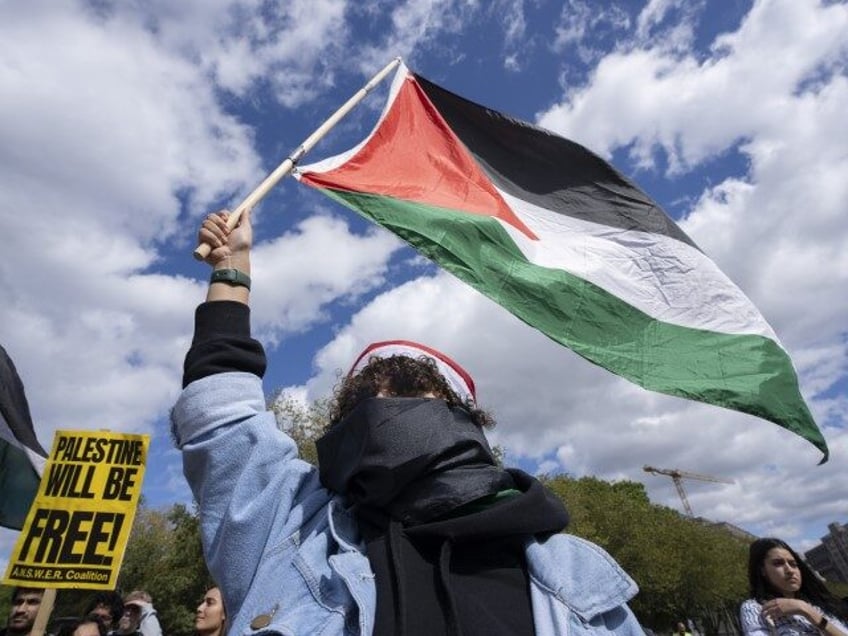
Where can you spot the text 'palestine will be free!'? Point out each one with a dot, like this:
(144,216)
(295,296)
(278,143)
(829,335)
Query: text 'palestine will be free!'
(78,526)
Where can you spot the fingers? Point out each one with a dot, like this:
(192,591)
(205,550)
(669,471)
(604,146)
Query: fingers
(771,610)
(776,608)
(214,230)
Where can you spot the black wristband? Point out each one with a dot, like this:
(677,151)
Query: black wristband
(231,277)
(823,623)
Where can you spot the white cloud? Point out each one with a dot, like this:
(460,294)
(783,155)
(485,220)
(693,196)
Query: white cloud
(669,23)
(314,274)
(415,27)
(242,43)
(706,106)
(581,23)
(118,124)
(510,14)
(100,128)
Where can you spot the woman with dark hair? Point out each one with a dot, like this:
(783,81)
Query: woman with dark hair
(787,596)
(211,617)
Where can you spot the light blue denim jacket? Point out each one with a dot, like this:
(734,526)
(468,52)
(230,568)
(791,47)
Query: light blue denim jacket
(284,548)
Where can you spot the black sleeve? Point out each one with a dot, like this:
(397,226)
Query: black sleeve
(222,342)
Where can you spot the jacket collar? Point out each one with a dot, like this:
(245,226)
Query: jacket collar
(344,527)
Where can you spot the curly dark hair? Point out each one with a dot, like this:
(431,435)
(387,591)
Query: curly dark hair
(111,600)
(812,589)
(400,376)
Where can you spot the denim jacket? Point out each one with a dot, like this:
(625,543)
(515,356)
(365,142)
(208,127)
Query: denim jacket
(287,553)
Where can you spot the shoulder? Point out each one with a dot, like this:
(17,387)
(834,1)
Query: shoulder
(580,572)
(577,554)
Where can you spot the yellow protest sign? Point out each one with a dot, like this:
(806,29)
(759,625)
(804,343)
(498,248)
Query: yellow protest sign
(78,526)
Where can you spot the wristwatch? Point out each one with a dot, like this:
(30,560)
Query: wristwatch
(232,277)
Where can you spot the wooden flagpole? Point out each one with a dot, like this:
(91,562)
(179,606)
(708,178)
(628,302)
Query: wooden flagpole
(202,250)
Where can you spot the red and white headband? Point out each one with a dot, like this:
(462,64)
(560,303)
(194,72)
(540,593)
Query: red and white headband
(457,378)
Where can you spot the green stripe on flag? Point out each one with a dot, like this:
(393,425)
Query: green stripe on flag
(18,485)
(748,373)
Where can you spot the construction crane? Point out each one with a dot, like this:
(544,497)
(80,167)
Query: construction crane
(677,476)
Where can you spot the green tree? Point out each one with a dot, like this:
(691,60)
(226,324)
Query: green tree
(164,557)
(684,568)
(304,423)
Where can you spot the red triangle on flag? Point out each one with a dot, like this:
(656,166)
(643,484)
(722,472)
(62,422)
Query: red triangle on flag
(415,156)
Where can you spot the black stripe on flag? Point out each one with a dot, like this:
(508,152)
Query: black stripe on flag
(547,170)
(18,476)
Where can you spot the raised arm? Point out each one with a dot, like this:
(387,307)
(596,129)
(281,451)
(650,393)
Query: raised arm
(251,488)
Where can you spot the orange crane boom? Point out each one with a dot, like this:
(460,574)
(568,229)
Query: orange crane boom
(677,476)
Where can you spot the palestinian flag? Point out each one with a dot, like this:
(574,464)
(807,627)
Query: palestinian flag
(562,240)
(21,456)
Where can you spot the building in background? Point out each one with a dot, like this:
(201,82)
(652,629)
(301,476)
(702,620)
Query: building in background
(830,557)
(736,531)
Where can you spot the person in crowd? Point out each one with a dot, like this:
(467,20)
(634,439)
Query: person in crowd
(108,607)
(787,597)
(142,615)
(211,617)
(130,620)
(26,602)
(408,526)
(90,625)
(681,630)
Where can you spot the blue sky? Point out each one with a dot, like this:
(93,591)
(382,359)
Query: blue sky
(123,123)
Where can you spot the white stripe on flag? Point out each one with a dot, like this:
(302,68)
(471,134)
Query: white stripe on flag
(659,275)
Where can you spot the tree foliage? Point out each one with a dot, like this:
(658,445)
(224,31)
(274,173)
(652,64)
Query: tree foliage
(165,558)
(304,423)
(685,569)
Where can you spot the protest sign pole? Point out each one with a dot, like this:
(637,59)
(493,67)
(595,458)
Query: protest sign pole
(48,600)
(202,250)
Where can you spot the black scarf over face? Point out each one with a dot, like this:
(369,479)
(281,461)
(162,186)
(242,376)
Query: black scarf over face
(411,459)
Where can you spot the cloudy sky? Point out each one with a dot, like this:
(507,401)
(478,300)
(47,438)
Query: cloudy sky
(123,123)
